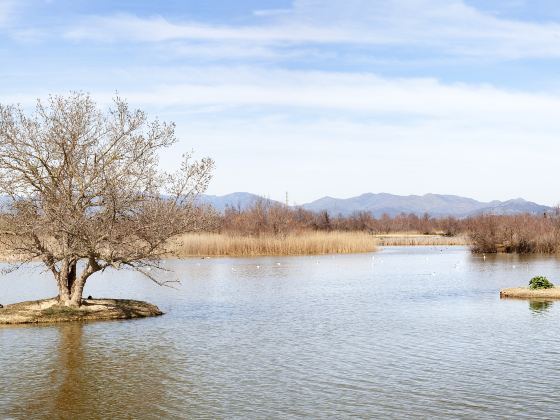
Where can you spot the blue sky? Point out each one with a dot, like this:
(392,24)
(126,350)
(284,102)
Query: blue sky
(317,97)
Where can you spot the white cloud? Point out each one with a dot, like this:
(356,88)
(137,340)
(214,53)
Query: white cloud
(449,26)
(356,95)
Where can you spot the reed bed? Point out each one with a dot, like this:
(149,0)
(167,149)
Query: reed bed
(305,243)
(420,240)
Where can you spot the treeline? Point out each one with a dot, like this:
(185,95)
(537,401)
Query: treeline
(264,217)
(521,234)
(486,233)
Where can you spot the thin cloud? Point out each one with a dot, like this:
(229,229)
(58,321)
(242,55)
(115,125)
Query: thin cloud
(450,27)
(361,94)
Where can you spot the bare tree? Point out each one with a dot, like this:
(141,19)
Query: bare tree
(86,192)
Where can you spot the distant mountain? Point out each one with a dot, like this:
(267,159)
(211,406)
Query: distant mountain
(436,205)
(516,206)
(240,200)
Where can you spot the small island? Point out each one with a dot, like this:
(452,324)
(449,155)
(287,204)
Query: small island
(50,311)
(539,288)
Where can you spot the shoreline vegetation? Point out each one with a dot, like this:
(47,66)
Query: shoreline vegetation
(272,229)
(484,234)
(51,311)
(303,243)
(306,243)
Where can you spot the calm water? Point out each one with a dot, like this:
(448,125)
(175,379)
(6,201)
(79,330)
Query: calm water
(404,332)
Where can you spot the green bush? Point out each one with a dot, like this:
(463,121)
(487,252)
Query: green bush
(540,282)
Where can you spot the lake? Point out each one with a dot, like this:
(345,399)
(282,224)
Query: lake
(403,332)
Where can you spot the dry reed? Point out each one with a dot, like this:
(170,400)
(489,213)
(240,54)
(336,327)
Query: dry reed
(306,243)
(420,240)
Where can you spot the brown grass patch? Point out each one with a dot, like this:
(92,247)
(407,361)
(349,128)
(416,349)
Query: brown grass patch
(306,243)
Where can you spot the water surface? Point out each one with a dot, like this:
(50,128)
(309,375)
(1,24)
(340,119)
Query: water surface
(404,332)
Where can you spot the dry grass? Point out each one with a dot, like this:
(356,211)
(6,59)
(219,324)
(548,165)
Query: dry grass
(526,293)
(412,239)
(307,243)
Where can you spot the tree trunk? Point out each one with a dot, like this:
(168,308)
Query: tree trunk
(63,294)
(69,291)
(65,278)
(71,286)
(71,296)
(77,291)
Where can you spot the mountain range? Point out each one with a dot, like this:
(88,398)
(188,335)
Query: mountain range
(436,205)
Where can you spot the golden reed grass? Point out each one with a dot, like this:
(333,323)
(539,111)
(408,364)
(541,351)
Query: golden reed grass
(306,243)
(420,240)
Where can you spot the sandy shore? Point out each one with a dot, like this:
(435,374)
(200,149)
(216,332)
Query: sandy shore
(526,293)
(48,311)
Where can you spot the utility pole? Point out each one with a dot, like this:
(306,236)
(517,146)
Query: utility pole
(287,199)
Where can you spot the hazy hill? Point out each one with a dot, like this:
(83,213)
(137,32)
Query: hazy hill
(434,204)
(437,205)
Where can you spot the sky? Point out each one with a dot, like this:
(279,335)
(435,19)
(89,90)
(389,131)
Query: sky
(316,97)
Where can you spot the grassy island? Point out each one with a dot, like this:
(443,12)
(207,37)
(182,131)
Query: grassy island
(50,311)
(539,288)
(527,293)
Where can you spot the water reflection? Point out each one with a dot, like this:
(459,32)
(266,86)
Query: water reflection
(65,392)
(71,380)
(89,378)
(540,306)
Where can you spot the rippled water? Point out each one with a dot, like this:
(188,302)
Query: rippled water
(404,332)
